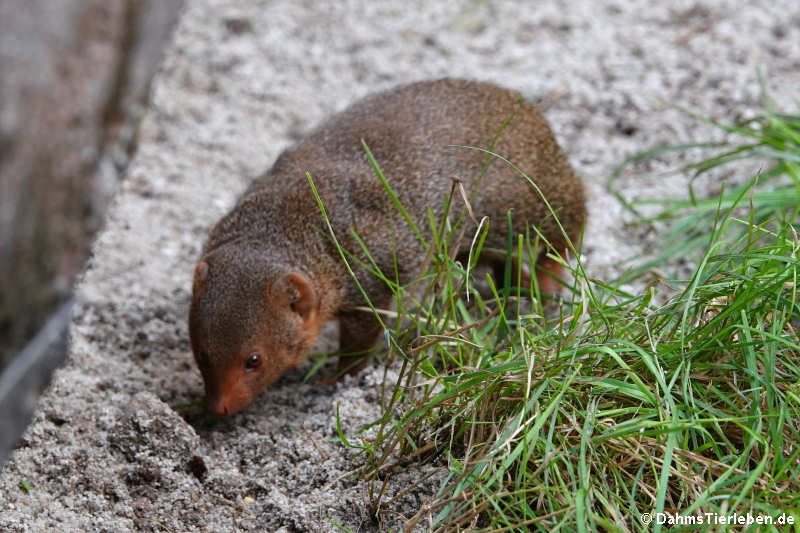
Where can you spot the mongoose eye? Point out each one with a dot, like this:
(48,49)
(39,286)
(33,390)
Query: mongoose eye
(253,362)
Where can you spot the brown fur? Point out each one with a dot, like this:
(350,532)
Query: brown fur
(269,276)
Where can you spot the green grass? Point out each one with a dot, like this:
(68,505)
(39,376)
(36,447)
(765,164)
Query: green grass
(771,139)
(584,415)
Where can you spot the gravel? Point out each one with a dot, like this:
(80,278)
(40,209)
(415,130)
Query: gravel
(112,449)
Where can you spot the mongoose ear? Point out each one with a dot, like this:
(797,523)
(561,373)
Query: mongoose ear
(200,274)
(302,297)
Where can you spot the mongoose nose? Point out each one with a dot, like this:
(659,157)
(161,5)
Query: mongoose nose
(219,408)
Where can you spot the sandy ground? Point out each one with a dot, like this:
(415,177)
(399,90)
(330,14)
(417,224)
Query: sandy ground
(110,449)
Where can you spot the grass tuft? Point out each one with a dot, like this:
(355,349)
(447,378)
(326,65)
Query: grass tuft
(590,412)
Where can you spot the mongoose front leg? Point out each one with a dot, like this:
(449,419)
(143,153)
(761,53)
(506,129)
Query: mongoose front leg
(358,333)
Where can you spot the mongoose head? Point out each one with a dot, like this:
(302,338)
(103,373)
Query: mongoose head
(250,321)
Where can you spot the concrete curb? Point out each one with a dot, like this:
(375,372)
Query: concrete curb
(29,374)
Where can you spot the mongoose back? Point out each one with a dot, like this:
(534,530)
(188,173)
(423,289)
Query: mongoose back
(269,275)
